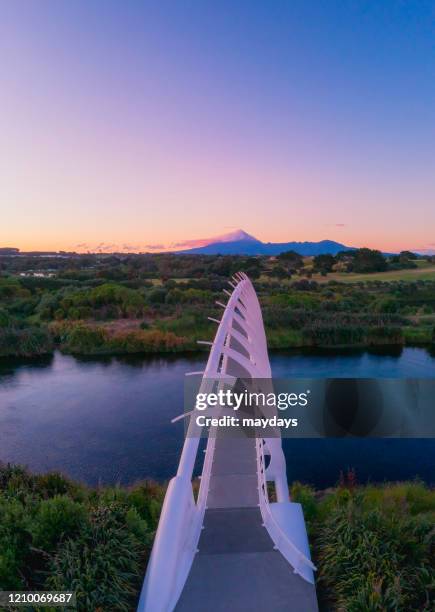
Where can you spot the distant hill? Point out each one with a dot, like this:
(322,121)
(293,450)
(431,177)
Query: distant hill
(241,243)
(9,251)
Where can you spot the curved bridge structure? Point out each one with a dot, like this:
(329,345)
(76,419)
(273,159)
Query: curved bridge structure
(230,548)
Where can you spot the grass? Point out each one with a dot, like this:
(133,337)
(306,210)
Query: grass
(423,272)
(418,335)
(373,545)
(56,534)
(285,338)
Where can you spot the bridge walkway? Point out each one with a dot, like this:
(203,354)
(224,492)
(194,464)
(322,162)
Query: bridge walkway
(236,568)
(230,548)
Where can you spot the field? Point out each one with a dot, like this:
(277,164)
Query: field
(426,272)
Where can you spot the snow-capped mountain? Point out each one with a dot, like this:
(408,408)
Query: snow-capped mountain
(240,242)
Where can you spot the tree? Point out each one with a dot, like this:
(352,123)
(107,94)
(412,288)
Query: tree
(368,260)
(281,272)
(324,263)
(407,255)
(291,258)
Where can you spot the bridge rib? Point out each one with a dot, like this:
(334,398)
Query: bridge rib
(231,550)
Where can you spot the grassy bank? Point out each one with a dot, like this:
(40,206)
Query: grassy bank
(56,534)
(373,545)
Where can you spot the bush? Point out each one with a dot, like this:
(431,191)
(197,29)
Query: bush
(145,341)
(94,541)
(156,295)
(56,519)
(375,555)
(103,564)
(304,495)
(373,545)
(4,317)
(13,542)
(24,342)
(54,483)
(83,339)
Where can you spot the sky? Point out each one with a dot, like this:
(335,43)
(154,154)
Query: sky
(141,125)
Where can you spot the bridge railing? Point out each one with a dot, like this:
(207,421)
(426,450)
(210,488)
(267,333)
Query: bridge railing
(181,519)
(238,349)
(301,564)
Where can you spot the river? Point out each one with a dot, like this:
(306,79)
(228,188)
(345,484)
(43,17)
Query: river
(108,420)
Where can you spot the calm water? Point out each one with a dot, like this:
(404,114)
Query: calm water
(108,420)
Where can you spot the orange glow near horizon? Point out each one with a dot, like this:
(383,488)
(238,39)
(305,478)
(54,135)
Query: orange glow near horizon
(40,242)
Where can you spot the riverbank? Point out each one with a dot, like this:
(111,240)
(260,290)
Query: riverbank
(124,313)
(371,544)
(91,339)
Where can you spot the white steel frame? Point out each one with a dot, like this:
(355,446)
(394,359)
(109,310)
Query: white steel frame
(181,519)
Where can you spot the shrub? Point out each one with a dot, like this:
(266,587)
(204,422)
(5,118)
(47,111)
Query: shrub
(156,295)
(145,341)
(372,559)
(85,339)
(56,519)
(304,495)
(24,342)
(147,499)
(4,317)
(13,542)
(54,483)
(103,565)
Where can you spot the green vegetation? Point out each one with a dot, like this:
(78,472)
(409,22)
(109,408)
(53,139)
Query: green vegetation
(56,534)
(373,545)
(96,304)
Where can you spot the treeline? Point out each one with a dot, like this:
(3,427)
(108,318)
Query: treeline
(365,261)
(136,268)
(373,545)
(92,315)
(133,267)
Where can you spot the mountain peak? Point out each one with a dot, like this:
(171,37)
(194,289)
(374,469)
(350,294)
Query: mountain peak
(239,242)
(236,236)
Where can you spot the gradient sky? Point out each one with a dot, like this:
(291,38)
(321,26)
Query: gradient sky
(139,124)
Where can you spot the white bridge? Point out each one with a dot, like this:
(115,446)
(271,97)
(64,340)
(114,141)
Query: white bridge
(230,548)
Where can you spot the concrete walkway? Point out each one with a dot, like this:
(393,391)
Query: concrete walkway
(237,568)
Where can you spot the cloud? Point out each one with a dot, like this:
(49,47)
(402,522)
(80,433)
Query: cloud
(154,247)
(102,247)
(131,247)
(190,244)
(340,225)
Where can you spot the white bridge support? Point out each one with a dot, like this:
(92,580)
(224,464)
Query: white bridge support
(231,549)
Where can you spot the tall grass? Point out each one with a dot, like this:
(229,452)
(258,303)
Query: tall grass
(59,535)
(373,545)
